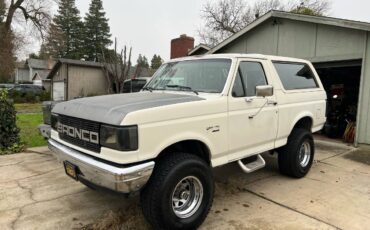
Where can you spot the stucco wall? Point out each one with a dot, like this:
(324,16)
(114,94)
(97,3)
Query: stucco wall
(85,81)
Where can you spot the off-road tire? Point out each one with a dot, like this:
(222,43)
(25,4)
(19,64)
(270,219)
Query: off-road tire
(156,197)
(288,156)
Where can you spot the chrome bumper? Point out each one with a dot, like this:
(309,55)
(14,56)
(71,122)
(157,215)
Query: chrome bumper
(124,180)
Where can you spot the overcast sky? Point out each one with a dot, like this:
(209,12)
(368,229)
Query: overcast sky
(148,26)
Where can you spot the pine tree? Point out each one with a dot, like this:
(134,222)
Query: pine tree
(156,62)
(142,62)
(55,43)
(97,31)
(65,36)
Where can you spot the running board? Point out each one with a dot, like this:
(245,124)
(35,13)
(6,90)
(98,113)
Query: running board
(252,166)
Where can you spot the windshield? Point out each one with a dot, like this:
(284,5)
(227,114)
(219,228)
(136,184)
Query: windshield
(205,75)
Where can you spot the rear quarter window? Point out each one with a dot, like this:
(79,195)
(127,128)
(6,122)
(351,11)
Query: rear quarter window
(295,75)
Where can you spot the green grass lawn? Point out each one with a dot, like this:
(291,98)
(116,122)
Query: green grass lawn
(30,134)
(28,108)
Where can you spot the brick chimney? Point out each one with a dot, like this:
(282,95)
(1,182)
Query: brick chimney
(181,46)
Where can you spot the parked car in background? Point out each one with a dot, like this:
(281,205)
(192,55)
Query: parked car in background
(6,86)
(23,89)
(135,85)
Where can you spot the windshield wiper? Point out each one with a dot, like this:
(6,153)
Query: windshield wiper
(182,87)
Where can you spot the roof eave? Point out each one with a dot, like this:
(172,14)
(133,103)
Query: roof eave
(344,23)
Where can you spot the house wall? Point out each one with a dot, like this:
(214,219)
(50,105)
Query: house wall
(22,75)
(85,81)
(61,74)
(47,85)
(317,43)
(363,117)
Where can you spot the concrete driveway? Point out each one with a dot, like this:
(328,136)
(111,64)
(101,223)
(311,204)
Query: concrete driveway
(36,194)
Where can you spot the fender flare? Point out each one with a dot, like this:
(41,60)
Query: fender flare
(301,116)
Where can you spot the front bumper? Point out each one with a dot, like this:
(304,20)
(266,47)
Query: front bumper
(45,130)
(123,180)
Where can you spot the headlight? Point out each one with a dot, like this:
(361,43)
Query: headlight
(54,121)
(123,138)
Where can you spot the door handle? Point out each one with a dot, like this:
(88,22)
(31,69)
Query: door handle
(248,99)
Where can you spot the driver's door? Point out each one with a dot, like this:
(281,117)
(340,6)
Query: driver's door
(252,120)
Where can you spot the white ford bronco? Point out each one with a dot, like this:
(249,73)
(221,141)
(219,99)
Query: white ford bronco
(195,114)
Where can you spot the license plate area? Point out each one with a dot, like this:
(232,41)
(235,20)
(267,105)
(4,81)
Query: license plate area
(71,170)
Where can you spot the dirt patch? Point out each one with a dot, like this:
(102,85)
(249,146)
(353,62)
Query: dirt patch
(131,218)
(361,156)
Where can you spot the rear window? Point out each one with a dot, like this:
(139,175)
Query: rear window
(295,75)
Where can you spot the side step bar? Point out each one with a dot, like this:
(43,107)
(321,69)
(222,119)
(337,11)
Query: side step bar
(252,166)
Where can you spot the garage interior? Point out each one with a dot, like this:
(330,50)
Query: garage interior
(341,81)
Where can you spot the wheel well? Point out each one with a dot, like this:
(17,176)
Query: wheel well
(189,146)
(304,123)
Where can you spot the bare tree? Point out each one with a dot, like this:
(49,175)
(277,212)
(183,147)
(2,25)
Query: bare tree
(226,17)
(116,68)
(35,12)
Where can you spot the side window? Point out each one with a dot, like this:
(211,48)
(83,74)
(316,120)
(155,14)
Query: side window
(295,75)
(250,75)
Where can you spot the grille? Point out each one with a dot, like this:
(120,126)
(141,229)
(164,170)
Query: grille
(80,124)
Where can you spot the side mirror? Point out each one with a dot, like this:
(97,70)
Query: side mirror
(264,90)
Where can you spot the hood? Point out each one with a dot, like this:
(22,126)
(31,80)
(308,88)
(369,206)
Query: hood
(112,109)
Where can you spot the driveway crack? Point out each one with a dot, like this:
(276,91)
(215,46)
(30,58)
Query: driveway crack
(19,214)
(12,164)
(29,190)
(291,209)
(35,175)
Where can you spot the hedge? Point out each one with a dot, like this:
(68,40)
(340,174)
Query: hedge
(9,132)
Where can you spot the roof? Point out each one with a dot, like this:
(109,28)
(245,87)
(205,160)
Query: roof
(198,47)
(39,63)
(21,65)
(358,25)
(73,62)
(80,62)
(42,74)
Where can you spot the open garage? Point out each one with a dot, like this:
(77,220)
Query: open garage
(340,52)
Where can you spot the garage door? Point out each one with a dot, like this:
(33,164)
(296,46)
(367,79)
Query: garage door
(58,91)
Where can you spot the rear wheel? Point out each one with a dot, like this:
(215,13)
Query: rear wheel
(296,157)
(179,193)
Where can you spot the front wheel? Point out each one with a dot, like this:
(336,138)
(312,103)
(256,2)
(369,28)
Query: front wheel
(179,194)
(296,157)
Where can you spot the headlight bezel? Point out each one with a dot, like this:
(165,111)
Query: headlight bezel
(121,138)
(54,120)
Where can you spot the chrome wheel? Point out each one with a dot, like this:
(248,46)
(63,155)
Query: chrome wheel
(304,154)
(187,197)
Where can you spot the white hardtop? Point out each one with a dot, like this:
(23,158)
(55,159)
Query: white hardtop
(240,55)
